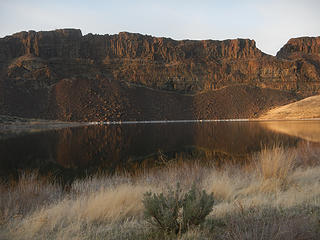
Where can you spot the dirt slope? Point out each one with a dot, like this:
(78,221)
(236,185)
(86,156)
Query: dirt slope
(86,100)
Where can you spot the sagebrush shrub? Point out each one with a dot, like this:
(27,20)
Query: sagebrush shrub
(162,210)
(196,205)
(174,212)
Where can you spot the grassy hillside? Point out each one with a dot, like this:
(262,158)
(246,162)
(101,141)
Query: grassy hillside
(303,109)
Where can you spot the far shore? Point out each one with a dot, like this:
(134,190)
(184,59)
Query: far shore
(13,126)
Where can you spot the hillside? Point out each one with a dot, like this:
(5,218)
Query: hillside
(64,75)
(304,109)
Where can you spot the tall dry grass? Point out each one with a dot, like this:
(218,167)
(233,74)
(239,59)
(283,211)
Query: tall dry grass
(19,198)
(271,195)
(275,166)
(275,163)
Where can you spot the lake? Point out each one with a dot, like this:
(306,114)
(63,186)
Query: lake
(78,151)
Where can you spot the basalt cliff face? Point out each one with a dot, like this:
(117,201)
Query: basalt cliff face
(64,75)
(300,47)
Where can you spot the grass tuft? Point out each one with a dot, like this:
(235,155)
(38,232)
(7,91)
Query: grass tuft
(275,167)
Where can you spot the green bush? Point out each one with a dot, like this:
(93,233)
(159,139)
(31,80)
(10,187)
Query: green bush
(196,206)
(162,210)
(174,212)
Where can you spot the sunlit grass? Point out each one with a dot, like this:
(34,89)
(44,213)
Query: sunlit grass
(307,108)
(272,197)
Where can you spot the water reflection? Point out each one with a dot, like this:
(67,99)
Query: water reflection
(76,151)
(308,130)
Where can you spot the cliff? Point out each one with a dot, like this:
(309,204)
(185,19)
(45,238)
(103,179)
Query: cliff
(302,47)
(51,74)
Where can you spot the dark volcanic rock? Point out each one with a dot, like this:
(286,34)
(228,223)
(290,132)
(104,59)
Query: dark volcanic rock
(300,47)
(62,74)
(64,43)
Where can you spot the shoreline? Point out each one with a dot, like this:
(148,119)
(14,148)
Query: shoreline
(11,126)
(197,121)
(17,123)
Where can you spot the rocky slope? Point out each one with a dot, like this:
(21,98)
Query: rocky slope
(64,75)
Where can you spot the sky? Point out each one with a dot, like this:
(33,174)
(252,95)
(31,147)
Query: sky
(271,23)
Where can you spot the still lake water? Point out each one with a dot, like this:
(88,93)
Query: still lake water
(80,151)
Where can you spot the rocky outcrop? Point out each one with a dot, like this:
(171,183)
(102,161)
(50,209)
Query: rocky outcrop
(304,52)
(42,72)
(64,43)
(69,43)
(302,46)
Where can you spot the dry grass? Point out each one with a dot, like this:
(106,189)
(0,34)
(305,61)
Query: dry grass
(304,109)
(275,166)
(110,206)
(274,198)
(266,224)
(24,196)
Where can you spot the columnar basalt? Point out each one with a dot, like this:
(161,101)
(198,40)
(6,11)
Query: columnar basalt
(36,69)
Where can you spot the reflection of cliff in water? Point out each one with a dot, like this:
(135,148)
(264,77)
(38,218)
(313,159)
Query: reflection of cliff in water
(115,145)
(308,130)
(110,147)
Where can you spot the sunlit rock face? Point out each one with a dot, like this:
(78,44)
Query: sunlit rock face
(302,46)
(106,74)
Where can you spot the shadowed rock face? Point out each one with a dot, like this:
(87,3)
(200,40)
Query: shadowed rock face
(50,74)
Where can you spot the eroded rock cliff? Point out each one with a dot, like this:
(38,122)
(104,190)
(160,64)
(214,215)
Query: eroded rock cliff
(302,47)
(63,74)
